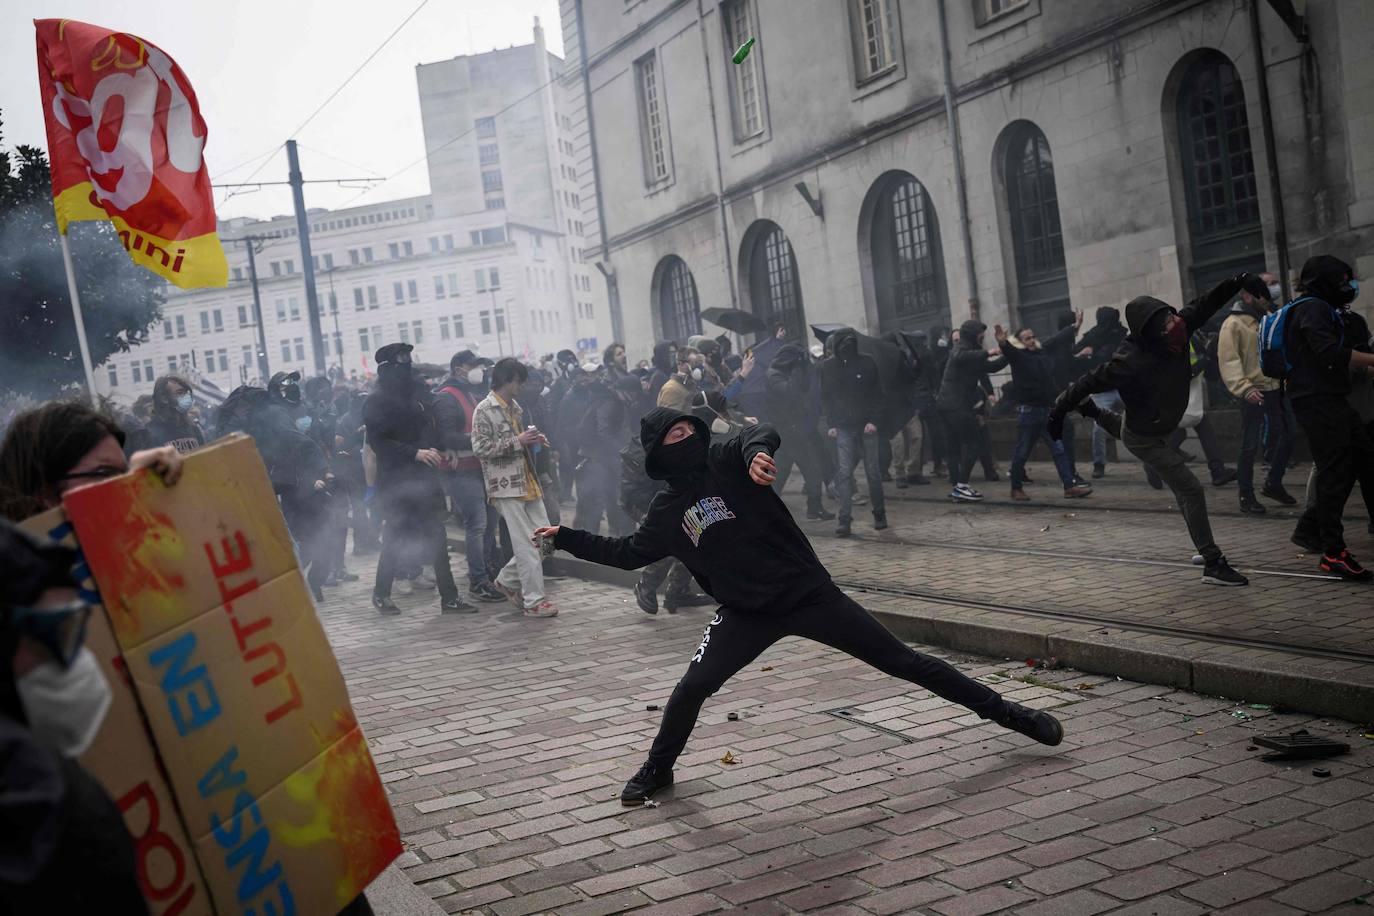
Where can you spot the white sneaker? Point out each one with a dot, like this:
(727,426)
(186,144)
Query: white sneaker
(964,493)
(425,580)
(404,587)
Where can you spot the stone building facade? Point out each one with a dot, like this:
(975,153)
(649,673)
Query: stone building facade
(908,163)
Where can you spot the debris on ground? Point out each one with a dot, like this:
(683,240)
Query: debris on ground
(1300,745)
(1085,686)
(652,707)
(767,668)
(1320,772)
(732,717)
(1046,528)
(729,759)
(649,803)
(1260,706)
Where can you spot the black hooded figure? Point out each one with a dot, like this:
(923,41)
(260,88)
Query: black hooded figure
(1153,372)
(665,367)
(1323,349)
(852,406)
(961,388)
(1101,342)
(789,385)
(719,515)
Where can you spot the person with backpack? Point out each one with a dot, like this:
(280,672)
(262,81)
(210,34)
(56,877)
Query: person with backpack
(455,403)
(1261,397)
(1306,344)
(1153,372)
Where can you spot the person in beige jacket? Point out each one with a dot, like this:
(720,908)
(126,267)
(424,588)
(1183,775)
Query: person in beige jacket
(1261,398)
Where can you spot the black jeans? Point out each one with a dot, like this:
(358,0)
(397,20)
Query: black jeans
(961,426)
(735,638)
(1341,448)
(801,446)
(411,535)
(1253,418)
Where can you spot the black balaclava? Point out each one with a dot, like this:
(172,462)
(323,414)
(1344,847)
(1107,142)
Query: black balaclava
(396,377)
(1328,278)
(683,458)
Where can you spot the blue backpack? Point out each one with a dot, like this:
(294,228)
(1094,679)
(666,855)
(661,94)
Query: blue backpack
(1275,336)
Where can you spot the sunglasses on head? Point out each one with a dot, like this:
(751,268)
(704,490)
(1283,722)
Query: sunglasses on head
(61,630)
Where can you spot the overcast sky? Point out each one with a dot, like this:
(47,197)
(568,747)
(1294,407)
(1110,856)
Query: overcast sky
(260,67)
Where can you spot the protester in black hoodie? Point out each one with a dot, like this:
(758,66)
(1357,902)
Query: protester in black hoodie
(720,517)
(789,385)
(1322,359)
(852,404)
(1033,389)
(1153,373)
(960,389)
(665,367)
(1095,348)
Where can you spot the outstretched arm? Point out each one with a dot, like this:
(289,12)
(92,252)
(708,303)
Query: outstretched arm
(633,552)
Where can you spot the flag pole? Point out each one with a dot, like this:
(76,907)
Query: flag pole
(76,316)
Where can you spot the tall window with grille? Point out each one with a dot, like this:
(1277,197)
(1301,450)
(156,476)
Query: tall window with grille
(774,287)
(678,306)
(908,265)
(653,121)
(1218,172)
(1033,206)
(746,78)
(873,27)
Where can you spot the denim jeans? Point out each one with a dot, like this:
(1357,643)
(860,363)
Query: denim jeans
(1253,418)
(854,445)
(1030,428)
(468,496)
(1105,400)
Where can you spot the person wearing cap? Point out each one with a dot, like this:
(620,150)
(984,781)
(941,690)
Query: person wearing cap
(401,431)
(455,405)
(502,441)
(64,847)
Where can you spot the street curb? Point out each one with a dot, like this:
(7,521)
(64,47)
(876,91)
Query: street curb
(1214,669)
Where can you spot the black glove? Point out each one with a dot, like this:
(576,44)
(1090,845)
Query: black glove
(1055,425)
(1254,285)
(1089,409)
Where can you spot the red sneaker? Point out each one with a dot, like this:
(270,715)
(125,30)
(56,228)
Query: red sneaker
(1346,566)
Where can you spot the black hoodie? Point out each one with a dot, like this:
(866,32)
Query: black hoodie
(968,363)
(851,394)
(1152,379)
(736,537)
(789,383)
(1105,336)
(1319,350)
(664,367)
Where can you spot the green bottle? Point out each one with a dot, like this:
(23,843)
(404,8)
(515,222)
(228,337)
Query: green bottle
(743,51)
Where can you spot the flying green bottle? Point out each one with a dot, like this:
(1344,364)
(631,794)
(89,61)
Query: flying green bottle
(743,51)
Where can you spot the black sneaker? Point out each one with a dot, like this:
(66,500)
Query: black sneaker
(1099,471)
(1307,542)
(672,602)
(1080,482)
(1221,573)
(646,599)
(1033,723)
(347,576)
(879,522)
(644,784)
(918,480)
(1226,476)
(1278,494)
(819,515)
(902,484)
(842,530)
(1346,566)
(385,606)
(1249,505)
(456,605)
(486,593)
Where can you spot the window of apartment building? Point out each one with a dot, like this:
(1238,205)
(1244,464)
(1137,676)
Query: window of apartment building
(746,78)
(500,321)
(112,373)
(290,266)
(338,343)
(393,249)
(873,27)
(367,254)
(438,287)
(243,317)
(223,359)
(286,350)
(353,256)
(453,286)
(485,318)
(276,268)
(209,360)
(205,322)
(907,267)
(491,180)
(433,244)
(413,288)
(480,276)
(988,10)
(217,315)
(486,128)
(653,121)
(443,327)
(679,309)
(300,348)
(378,340)
(372,297)
(398,292)
(333,303)
(363,343)
(488,154)
(404,330)
(171,365)
(238,273)
(167,329)
(408,249)
(137,371)
(448,242)
(496,203)
(247,358)
(1038,241)
(417,331)
(294,305)
(181,325)
(315,261)
(774,288)
(357,299)
(494,278)
(281,310)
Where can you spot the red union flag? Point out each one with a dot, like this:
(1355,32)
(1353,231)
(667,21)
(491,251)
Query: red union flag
(125,139)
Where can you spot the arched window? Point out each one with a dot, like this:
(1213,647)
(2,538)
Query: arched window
(1033,205)
(679,309)
(907,263)
(1218,172)
(774,288)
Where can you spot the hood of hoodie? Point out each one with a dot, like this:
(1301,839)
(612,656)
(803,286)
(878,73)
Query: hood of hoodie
(1139,312)
(969,332)
(788,357)
(661,361)
(1323,276)
(842,336)
(1108,318)
(655,426)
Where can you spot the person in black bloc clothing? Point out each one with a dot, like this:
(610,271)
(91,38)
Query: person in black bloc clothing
(720,516)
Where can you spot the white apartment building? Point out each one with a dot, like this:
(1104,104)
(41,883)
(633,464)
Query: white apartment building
(492,260)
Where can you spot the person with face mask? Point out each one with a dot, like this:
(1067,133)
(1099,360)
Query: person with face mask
(960,389)
(1152,371)
(1261,397)
(1322,356)
(789,385)
(852,404)
(64,847)
(678,391)
(401,431)
(455,405)
(720,516)
(171,423)
(1096,347)
(1033,390)
(664,365)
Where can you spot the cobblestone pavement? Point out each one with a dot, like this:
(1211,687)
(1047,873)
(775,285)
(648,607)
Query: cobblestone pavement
(504,743)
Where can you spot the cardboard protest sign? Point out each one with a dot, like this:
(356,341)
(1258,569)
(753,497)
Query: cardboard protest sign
(239,685)
(123,760)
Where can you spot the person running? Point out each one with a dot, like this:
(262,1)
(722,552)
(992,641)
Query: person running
(720,516)
(1153,374)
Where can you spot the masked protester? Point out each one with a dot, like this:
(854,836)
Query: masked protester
(720,517)
(1152,371)
(1094,349)
(63,847)
(961,388)
(170,423)
(401,431)
(664,366)
(690,378)
(603,429)
(502,440)
(1323,356)
(790,378)
(852,405)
